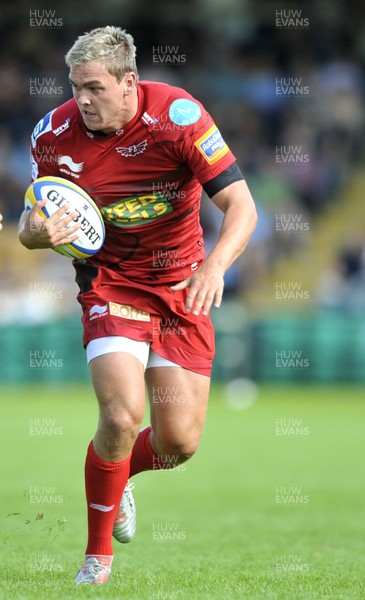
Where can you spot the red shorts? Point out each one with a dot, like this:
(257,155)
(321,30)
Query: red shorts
(115,306)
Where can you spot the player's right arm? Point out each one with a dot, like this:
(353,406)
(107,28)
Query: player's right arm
(34,231)
(37,232)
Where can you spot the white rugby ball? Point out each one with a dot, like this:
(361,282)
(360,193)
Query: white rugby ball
(58,191)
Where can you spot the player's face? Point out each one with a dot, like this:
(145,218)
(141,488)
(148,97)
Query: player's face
(105,104)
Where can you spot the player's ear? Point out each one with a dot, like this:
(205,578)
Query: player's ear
(129,81)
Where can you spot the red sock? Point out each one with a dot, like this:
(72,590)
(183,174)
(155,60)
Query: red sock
(105,483)
(143,457)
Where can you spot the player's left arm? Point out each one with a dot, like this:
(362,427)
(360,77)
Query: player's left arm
(206,285)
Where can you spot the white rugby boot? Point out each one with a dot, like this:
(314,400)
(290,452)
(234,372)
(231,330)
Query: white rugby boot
(95,570)
(125,521)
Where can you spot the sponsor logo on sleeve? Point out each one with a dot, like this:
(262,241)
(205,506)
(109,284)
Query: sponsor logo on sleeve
(184,112)
(211,145)
(148,120)
(62,127)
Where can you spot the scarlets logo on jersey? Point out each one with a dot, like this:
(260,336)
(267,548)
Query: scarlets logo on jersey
(211,145)
(137,210)
(130,151)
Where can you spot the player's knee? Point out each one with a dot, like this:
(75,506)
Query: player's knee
(176,452)
(121,422)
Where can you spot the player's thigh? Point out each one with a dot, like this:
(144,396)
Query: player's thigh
(118,380)
(178,404)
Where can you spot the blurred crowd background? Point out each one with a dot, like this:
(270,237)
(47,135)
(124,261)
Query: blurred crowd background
(285,83)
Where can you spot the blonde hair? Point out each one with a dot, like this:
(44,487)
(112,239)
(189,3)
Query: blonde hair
(112,45)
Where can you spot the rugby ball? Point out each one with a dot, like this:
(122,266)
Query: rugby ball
(58,191)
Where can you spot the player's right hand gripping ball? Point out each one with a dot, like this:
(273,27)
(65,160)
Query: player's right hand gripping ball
(59,191)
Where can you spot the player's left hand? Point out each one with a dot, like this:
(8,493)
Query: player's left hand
(206,288)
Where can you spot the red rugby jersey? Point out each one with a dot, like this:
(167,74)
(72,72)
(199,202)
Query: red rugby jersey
(146,178)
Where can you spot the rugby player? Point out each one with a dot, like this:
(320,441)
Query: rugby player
(143,151)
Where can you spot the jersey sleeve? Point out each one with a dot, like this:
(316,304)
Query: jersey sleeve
(198,141)
(43,152)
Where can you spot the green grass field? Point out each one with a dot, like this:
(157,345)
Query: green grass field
(265,510)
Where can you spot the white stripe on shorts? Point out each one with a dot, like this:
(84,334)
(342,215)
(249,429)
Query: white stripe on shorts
(117,343)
